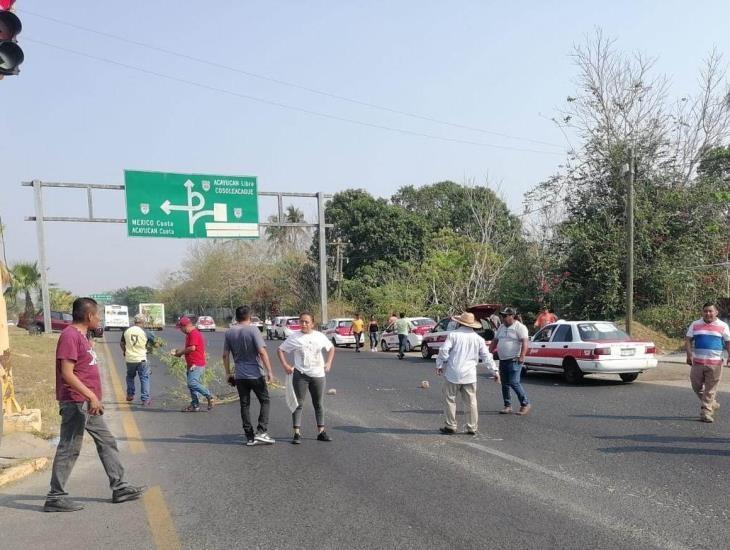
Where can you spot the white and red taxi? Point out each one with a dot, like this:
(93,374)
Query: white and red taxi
(205,322)
(417,327)
(575,348)
(339,332)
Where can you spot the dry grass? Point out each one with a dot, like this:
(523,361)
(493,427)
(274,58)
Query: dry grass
(664,343)
(34,372)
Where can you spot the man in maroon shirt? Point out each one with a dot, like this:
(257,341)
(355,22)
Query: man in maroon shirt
(78,390)
(194,352)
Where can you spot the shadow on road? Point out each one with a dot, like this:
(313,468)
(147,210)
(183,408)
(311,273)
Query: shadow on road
(633,417)
(440,411)
(396,431)
(209,439)
(653,438)
(27,502)
(665,450)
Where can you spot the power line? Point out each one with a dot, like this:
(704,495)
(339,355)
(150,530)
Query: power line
(284,105)
(286,83)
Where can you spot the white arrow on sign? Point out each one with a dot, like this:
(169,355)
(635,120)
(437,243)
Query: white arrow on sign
(191,208)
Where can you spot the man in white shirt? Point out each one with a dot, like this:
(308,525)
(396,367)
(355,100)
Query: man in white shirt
(457,361)
(511,342)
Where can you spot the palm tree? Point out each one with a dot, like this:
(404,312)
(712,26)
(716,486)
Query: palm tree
(25,278)
(287,237)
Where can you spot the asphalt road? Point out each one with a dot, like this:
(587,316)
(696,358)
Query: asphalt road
(601,465)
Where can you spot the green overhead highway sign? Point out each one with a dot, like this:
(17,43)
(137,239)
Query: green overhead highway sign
(102,298)
(191,206)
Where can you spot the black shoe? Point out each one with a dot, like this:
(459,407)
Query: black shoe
(401,356)
(448,431)
(128,493)
(323,437)
(297,439)
(62,505)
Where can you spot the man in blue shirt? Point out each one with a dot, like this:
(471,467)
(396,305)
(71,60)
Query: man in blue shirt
(252,372)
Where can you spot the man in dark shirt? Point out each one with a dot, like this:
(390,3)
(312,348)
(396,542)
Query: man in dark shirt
(78,390)
(252,372)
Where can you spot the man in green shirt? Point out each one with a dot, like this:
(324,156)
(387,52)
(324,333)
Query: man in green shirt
(402,327)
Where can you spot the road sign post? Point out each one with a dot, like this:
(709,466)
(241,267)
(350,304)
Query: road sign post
(189,206)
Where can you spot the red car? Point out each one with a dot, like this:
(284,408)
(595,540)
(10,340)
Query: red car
(59,321)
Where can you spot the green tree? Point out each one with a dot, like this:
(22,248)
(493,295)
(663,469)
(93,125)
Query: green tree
(288,238)
(132,296)
(25,280)
(61,300)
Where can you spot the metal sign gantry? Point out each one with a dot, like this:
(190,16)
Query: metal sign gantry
(40,218)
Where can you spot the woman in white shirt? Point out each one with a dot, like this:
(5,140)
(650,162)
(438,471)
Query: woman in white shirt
(309,371)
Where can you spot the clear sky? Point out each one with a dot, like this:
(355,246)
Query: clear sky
(502,67)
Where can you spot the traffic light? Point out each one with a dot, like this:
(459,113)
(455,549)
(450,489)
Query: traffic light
(11,56)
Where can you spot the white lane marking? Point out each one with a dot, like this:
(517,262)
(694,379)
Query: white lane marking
(528,464)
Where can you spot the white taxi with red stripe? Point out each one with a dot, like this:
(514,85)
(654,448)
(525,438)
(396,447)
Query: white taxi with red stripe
(575,348)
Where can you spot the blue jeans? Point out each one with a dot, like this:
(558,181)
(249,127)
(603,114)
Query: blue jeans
(510,372)
(195,386)
(141,369)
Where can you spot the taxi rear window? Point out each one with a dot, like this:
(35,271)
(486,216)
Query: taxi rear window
(597,332)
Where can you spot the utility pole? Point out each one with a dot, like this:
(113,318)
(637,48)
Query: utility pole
(630,242)
(339,260)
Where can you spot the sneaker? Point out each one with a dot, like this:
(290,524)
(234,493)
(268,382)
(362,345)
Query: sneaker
(147,403)
(130,397)
(191,409)
(62,505)
(470,432)
(128,493)
(210,399)
(401,356)
(506,410)
(297,439)
(707,418)
(524,410)
(447,431)
(264,438)
(250,442)
(323,437)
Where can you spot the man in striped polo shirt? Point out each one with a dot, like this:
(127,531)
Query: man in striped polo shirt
(705,341)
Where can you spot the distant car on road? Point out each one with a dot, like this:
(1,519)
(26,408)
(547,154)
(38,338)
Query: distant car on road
(575,348)
(339,332)
(286,327)
(257,322)
(433,340)
(417,327)
(204,323)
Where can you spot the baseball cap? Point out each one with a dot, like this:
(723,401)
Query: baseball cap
(508,311)
(184,321)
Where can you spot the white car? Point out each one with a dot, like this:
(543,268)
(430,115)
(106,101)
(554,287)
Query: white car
(205,322)
(257,322)
(417,327)
(575,348)
(285,327)
(339,332)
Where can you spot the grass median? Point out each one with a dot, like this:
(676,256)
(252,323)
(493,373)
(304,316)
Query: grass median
(33,360)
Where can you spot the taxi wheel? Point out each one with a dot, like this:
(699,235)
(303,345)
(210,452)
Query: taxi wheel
(572,372)
(425,352)
(383,345)
(629,376)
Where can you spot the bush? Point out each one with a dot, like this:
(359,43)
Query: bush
(668,319)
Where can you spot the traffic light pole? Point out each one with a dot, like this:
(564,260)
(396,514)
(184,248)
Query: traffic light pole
(40,218)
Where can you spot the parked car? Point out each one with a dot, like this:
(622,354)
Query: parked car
(575,348)
(286,327)
(59,321)
(417,327)
(205,322)
(339,332)
(257,322)
(433,340)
